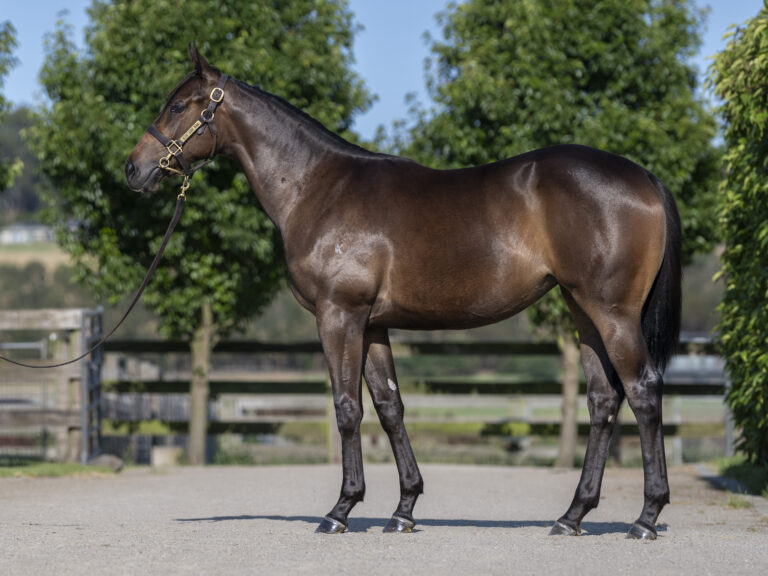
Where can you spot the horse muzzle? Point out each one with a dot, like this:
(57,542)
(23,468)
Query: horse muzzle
(142,180)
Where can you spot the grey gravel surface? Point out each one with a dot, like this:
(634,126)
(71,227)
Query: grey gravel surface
(471,520)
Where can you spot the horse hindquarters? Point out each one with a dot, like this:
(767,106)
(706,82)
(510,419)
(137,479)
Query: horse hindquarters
(633,337)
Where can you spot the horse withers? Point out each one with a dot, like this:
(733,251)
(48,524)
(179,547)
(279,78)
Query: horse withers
(374,242)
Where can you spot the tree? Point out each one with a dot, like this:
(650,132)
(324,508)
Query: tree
(9,166)
(21,200)
(224,262)
(514,75)
(738,75)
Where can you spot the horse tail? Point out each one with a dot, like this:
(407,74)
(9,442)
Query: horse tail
(662,310)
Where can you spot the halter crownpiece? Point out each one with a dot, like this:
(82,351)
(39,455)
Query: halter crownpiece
(175,147)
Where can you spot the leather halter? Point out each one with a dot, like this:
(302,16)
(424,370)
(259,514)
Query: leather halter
(174,147)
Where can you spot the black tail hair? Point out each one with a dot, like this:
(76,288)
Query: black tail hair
(663,307)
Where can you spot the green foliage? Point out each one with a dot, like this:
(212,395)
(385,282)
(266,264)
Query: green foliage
(21,200)
(225,249)
(514,75)
(10,167)
(738,75)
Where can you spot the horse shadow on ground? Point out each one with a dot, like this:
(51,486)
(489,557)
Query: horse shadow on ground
(366,524)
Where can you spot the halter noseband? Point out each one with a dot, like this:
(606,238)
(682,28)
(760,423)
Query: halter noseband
(174,147)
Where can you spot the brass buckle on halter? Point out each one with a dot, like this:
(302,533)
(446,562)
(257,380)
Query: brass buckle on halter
(165,164)
(174,148)
(220,95)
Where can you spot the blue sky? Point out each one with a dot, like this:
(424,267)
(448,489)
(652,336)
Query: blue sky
(390,51)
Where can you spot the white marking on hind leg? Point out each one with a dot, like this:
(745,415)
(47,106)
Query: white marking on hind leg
(392,385)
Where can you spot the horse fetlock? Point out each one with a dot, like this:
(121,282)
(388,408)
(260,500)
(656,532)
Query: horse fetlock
(351,495)
(588,502)
(657,497)
(411,487)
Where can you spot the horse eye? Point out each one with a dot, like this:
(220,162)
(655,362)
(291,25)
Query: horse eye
(177,108)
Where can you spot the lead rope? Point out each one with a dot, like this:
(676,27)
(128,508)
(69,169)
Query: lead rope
(180,201)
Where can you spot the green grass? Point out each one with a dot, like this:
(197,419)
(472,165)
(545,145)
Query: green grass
(752,476)
(51,470)
(738,501)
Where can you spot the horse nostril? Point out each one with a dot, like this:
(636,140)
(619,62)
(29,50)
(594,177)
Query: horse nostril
(130,170)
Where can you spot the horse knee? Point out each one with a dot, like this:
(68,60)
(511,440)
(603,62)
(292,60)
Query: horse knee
(603,407)
(349,414)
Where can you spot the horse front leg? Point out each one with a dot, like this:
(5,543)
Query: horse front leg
(341,333)
(382,383)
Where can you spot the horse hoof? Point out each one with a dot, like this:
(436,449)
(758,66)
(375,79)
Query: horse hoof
(560,529)
(399,524)
(330,526)
(640,532)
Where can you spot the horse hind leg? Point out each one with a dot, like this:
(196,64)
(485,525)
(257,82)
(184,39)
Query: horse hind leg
(643,385)
(622,335)
(380,376)
(604,397)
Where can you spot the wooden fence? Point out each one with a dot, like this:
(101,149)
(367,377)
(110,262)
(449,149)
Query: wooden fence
(267,388)
(50,413)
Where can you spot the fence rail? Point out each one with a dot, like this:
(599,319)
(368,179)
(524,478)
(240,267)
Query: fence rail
(147,384)
(245,401)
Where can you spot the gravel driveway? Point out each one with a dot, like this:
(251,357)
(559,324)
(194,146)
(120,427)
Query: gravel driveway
(471,520)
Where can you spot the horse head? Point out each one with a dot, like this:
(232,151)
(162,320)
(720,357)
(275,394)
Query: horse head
(184,133)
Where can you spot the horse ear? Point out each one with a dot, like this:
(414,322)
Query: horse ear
(201,66)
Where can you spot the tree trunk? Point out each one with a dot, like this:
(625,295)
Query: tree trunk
(201,346)
(569,424)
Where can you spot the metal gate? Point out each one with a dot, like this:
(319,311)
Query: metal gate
(51,413)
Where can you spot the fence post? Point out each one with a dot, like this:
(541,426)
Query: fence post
(199,388)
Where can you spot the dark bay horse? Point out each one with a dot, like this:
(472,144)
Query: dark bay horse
(375,242)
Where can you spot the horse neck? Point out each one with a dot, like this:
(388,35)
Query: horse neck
(280,150)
